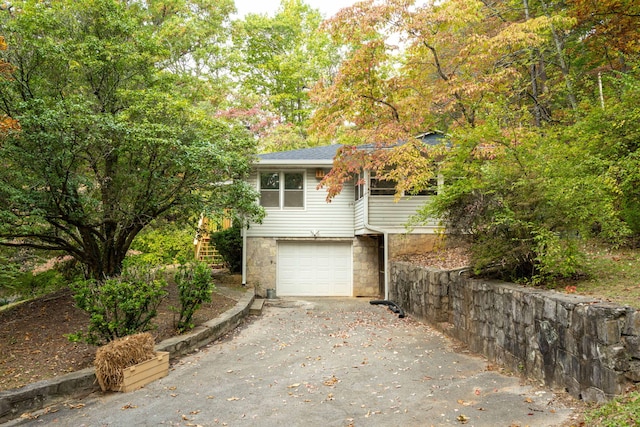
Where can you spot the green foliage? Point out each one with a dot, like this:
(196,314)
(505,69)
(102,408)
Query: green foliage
(29,285)
(526,203)
(119,306)
(229,244)
(620,412)
(8,272)
(283,56)
(195,285)
(169,244)
(117,126)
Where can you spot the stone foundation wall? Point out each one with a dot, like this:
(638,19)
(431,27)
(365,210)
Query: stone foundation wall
(589,348)
(262,255)
(410,244)
(366,282)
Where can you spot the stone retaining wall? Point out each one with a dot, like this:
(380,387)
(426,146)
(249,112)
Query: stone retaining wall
(589,348)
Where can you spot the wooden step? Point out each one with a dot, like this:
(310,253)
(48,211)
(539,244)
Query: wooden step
(256,307)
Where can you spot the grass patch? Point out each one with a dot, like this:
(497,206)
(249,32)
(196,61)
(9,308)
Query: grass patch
(620,412)
(613,275)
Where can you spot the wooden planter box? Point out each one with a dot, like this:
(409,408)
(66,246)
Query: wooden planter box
(137,376)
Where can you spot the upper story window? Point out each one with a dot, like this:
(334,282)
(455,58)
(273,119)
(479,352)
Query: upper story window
(282,190)
(359,187)
(384,187)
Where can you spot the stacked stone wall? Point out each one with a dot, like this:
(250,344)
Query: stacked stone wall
(261,264)
(589,348)
(365,267)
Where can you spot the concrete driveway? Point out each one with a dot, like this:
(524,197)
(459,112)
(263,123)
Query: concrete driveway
(323,362)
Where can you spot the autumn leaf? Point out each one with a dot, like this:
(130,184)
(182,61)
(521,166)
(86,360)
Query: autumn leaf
(331,381)
(462,419)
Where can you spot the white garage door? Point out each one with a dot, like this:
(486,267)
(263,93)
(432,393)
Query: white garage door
(314,269)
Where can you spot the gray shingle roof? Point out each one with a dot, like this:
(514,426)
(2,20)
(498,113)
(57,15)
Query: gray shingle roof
(326,152)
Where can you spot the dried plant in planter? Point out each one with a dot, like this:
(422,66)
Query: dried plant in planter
(113,358)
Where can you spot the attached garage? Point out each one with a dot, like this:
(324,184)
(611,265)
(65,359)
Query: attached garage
(314,269)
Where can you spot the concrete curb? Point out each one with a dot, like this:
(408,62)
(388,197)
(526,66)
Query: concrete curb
(33,397)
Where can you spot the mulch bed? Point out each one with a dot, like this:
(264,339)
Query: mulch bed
(33,341)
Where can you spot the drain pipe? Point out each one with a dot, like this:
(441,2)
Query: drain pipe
(244,256)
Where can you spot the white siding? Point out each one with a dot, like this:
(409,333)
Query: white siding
(333,219)
(384,212)
(359,213)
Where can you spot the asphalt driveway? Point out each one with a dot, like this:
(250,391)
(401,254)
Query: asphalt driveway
(323,362)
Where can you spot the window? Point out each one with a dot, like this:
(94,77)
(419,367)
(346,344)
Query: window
(283,190)
(359,185)
(382,187)
(270,189)
(431,190)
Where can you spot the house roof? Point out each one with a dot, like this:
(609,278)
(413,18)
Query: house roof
(323,155)
(307,156)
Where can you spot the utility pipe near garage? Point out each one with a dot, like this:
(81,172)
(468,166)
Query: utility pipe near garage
(244,255)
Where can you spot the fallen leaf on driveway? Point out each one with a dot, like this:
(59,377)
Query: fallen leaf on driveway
(463,419)
(331,381)
(128,406)
(294,385)
(231,399)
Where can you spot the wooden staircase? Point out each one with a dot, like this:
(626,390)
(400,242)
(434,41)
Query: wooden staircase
(205,250)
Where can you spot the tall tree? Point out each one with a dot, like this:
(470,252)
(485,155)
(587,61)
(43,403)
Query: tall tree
(116,129)
(414,68)
(511,84)
(280,58)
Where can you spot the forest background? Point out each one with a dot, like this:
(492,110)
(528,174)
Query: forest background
(121,122)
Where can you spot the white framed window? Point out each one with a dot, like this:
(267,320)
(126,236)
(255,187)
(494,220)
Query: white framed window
(383,187)
(282,190)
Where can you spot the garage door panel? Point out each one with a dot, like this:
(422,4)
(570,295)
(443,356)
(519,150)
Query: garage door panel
(314,269)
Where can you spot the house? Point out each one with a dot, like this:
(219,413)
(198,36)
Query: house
(306,246)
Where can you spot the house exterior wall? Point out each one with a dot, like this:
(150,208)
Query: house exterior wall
(333,219)
(385,212)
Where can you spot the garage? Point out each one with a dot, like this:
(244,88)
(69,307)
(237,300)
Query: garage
(314,269)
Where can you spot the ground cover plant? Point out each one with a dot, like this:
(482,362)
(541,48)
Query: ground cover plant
(623,411)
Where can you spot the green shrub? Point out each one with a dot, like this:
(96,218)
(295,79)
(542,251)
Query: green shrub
(526,205)
(170,244)
(195,286)
(121,305)
(229,244)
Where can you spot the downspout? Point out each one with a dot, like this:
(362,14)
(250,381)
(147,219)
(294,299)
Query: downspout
(244,256)
(385,235)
